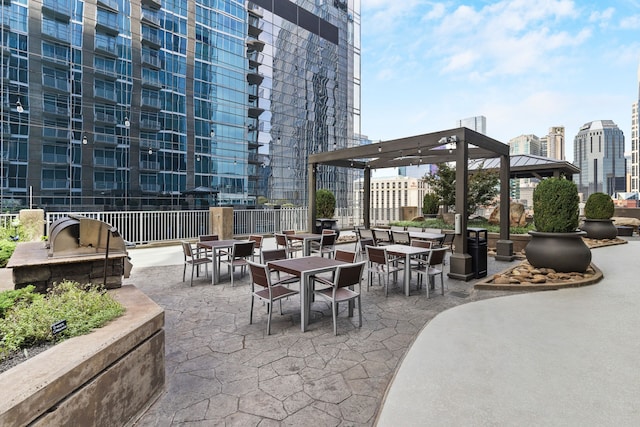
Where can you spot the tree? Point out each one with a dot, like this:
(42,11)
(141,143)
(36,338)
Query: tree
(443,184)
(483,189)
(483,186)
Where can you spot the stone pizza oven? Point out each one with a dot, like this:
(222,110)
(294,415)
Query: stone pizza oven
(81,249)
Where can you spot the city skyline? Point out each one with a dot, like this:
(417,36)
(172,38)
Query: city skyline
(525,66)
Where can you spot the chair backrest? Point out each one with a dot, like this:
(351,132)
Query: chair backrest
(414,229)
(377,254)
(259,274)
(397,228)
(328,239)
(436,256)
(401,237)
(273,255)
(208,237)
(381,235)
(366,233)
(345,256)
(422,243)
(366,242)
(257,239)
(281,239)
(348,274)
(448,238)
(187,250)
(243,249)
(287,232)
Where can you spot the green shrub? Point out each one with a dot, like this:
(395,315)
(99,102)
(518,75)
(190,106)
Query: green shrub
(28,322)
(6,250)
(599,206)
(430,204)
(13,297)
(555,206)
(325,204)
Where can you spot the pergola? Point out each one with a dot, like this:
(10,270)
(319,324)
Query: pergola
(454,145)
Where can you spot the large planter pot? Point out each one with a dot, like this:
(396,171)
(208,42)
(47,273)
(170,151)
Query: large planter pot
(327,224)
(563,252)
(599,228)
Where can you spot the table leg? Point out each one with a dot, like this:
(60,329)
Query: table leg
(214,272)
(304,303)
(407,269)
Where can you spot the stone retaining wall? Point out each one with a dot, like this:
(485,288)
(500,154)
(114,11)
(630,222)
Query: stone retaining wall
(105,378)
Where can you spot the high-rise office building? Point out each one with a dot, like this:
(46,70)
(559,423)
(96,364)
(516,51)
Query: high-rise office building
(599,153)
(111,102)
(635,142)
(552,145)
(477,123)
(520,188)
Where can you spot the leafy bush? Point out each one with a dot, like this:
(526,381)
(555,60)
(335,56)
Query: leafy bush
(599,206)
(430,204)
(325,204)
(6,250)
(13,297)
(555,206)
(29,320)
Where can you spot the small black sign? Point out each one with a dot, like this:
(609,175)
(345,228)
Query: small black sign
(58,327)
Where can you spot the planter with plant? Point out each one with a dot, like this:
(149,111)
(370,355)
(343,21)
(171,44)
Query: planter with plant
(557,243)
(325,208)
(598,212)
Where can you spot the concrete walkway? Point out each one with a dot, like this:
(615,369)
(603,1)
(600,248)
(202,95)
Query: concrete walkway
(563,358)
(222,371)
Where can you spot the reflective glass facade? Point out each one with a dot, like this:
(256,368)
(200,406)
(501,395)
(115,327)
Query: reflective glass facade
(111,104)
(599,153)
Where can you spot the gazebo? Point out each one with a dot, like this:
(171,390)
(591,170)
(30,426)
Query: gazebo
(457,145)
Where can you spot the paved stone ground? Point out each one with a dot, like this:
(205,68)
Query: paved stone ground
(223,371)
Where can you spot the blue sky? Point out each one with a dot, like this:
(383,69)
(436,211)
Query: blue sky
(526,65)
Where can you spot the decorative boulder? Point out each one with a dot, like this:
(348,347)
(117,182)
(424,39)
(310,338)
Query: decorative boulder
(517,216)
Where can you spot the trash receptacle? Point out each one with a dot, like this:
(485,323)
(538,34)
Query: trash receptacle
(477,248)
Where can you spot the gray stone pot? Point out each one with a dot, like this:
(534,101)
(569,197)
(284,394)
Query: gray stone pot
(599,228)
(563,252)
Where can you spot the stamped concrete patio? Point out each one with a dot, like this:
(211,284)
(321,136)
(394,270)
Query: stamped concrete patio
(223,371)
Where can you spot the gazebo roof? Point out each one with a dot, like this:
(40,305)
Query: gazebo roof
(430,148)
(530,166)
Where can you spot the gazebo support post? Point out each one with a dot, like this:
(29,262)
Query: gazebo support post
(504,245)
(366,199)
(460,266)
(311,190)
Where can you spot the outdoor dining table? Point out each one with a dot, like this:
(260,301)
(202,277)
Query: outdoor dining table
(306,238)
(408,252)
(421,235)
(304,268)
(215,246)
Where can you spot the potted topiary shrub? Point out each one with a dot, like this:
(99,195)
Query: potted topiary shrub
(557,243)
(325,208)
(598,212)
(430,205)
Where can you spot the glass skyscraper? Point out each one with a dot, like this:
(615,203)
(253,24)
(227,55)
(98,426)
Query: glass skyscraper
(150,104)
(598,150)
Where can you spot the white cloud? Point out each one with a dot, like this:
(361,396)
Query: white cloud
(602,16)
(630,22)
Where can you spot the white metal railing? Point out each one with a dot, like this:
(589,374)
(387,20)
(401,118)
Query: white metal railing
(6,220)
(141,227)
